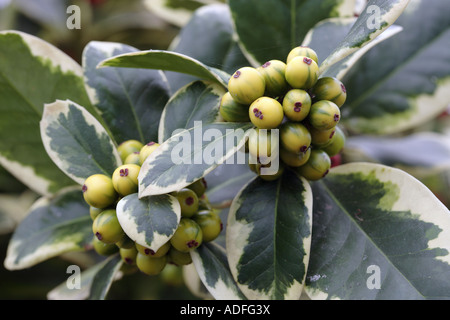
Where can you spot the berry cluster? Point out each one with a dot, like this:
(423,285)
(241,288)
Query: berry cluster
(288,96)
(199,222)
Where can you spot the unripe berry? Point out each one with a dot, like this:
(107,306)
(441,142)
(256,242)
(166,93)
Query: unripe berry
(210,223)
(104,249)
(302,72)
(246,85)
(266,113)
(302,51)
(329,88)
(106,227)
(155,254)
(296,104)
(129,255)
(188,236)
(295,137)
(324,115)
(133,158)
(336,144)
(146,150)
(292,159)
(98,191)
(317,166)
(150,266)
(273,72)
(232,111)
(125,179)
(128,147)
(199,187)
(188,200)
(179,258)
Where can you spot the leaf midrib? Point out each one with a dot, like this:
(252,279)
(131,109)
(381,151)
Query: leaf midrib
(354,222)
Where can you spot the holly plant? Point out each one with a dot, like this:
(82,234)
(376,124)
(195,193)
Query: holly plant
(240,153)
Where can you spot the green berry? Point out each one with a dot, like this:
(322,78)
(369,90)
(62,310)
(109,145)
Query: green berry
(133,158)
(94,212)
(329,88)
(129,255)
(317,166)
(106,227)
(210,223)
(273,72)
(126,242)
(336,144)
(179,258)
(104,249)
(232,111)
(188,235)
(324,115)
(295,137)
(147,150)
(188,200)
(302,72)
(246,85)
(292,159)
(269,177)
(304,52)
(199,187)
(266,113)
(321,138)
(98,191)
(150,266)
(125,179)
(261,144)
(296,104)
(149,252)
(128,147)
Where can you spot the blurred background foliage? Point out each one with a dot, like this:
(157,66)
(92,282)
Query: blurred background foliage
(143,24)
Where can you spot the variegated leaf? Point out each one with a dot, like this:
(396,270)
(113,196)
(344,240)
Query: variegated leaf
(149,221)
(77,143)
(94,283)
(168,61)
(130,100)
(41,73)
(211,263)
(282,25)
(190,155)
(268,237)
(374,19)
(404,81)
(53,226)
(326,35)
(208,37)
(197,101)
(378,233)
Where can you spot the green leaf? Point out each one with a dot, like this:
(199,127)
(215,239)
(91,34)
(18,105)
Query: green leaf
(211,263)
(77,142)
(168,61)
(149,221)
(130,100)
(104,277)
(53,226)
(404,81)
(378,233)
(376,17)
(427,150)
(209,38)
(268,237)
(326,36)
(197,101)
(190,155)
(281,25)
(95,282)
(40,74)
(224,182)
